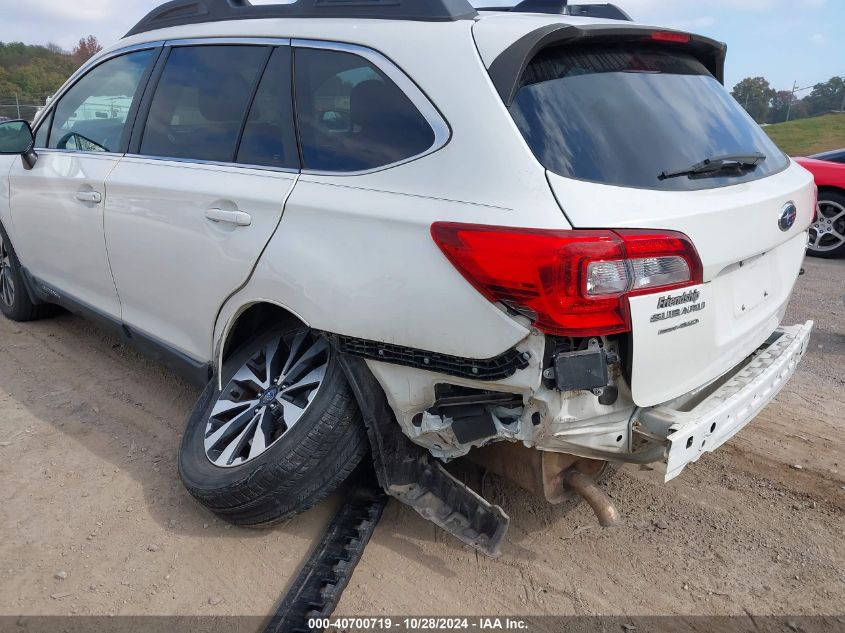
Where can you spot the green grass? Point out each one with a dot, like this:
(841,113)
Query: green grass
(809,136)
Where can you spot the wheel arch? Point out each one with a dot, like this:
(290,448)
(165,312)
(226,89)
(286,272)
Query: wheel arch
(832,188)
(253,316)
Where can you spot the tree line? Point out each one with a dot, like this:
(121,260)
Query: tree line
(29,74)
(767,105)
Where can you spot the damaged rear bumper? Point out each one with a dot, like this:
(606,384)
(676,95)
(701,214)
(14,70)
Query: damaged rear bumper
(702,421)
(677,432)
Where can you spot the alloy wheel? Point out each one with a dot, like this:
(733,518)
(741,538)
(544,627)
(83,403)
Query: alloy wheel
(266,397)
(828,231)
(7,284)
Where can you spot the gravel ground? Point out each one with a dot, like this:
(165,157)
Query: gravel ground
(95,520)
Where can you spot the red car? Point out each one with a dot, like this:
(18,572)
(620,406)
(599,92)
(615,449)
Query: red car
(827,233)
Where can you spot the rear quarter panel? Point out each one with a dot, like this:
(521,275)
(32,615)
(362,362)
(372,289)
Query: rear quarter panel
(362,263)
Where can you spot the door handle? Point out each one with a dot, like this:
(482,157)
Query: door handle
(89,196)
(238,218)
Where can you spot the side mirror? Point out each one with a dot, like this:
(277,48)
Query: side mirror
(16,138)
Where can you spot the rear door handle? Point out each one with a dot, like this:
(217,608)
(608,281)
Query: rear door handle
(89,196)
(238,218)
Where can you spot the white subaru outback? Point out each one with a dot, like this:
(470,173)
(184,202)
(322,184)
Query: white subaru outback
(544,236)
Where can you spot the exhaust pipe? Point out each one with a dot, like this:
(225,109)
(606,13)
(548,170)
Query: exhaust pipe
(553,476)
(578,482)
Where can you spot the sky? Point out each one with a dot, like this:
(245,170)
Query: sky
(782,40)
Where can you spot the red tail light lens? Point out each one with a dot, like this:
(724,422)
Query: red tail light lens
(670,36)
(570,283)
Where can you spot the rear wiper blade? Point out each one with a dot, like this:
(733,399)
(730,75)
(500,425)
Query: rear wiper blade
(710,166)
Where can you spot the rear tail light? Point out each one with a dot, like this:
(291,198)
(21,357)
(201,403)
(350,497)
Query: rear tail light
(615,277)
(570,283)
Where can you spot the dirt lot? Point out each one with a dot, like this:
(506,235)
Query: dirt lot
(95,521)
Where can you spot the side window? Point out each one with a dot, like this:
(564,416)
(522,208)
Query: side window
(43,132)
(269,138)
(351,116)
(91,116)
(201,101)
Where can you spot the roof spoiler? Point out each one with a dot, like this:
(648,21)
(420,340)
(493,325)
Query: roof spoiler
(506,70)
(182,12)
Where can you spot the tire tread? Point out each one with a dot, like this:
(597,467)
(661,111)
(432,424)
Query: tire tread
(297,478)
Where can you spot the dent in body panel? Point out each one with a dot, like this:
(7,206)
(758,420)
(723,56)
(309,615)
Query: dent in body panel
(362,263)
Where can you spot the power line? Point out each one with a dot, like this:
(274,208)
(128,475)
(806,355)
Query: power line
(795,89)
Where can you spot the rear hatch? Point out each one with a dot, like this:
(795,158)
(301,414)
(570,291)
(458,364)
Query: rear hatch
(618,122)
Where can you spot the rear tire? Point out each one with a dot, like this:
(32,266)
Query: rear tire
(305,440)
(15,302)
(827,233)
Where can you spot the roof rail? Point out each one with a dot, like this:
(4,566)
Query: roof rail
(562,7)
(181,12)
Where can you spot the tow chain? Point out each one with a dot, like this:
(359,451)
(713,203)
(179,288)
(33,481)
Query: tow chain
(316,591)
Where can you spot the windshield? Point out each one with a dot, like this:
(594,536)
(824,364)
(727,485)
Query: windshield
(625,114)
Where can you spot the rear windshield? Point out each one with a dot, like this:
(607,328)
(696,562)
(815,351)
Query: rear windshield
(623,115)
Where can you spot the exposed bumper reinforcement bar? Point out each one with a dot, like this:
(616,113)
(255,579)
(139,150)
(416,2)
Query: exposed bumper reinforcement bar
(688,433)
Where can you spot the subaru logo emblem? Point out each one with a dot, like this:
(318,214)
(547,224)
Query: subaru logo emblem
(269,396)
(787,216)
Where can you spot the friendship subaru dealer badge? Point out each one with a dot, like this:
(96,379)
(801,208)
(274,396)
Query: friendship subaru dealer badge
(675,306)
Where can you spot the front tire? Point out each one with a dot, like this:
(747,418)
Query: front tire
(280,436)
(15,302)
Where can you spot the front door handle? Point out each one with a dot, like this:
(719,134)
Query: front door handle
(238,218)
(89,196)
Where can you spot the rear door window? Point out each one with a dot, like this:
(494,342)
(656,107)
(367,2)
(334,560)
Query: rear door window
(269,136)
(201,101)
(625,114)
(351,116)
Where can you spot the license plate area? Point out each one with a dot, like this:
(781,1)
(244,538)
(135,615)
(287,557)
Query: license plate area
(752,283)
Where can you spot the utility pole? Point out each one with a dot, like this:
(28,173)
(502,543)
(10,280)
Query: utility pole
(18,104)
(791,99)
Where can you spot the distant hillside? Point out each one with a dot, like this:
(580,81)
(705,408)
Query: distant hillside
(809,136)
(32,73)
